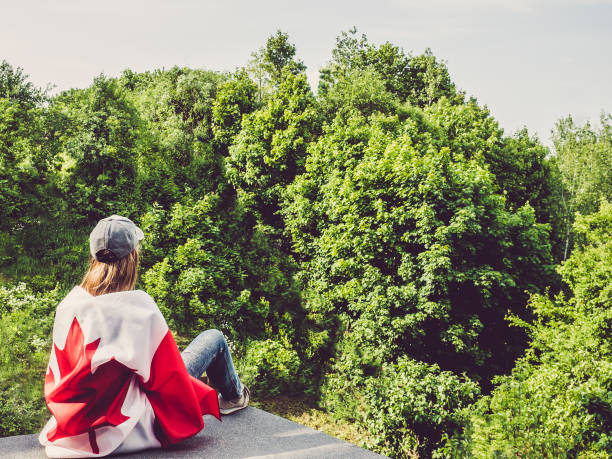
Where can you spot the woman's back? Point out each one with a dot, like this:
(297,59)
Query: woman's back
(116,381)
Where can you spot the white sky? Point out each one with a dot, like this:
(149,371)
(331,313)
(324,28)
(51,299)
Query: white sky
(530,62)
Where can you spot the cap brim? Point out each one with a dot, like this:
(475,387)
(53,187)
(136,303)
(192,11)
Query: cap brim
(139,234)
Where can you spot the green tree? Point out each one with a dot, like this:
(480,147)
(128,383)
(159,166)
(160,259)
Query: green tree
(379,209)
(420,80)
(278,54)
(26,155)
(521,165)
(429,81)
(270,150)
(100,150)
(14,85)
(408,250)
(178,151)
(235,98)
(583,155)
(526,173)
(29,198)
(361,91)
(268,62)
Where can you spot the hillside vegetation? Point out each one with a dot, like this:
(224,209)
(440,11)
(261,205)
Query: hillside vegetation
(379,244)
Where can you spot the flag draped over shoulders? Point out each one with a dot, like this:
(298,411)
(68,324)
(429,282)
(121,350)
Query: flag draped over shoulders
(116,381)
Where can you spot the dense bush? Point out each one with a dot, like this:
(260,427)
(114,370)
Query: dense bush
(558,400)
(406,407)
(26,321)
(271,367)
(44,254)
(414,254)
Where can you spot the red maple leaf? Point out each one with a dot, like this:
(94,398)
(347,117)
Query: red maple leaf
(81,401)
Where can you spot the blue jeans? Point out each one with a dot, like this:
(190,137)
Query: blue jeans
(209,353)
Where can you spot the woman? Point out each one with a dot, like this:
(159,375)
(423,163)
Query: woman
(116,382)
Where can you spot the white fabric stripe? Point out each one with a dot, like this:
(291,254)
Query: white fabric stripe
(129,325)
(142,435)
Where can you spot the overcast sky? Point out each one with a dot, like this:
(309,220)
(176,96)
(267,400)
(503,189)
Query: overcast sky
(530,62)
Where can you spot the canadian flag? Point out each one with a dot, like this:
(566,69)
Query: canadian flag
(116,382)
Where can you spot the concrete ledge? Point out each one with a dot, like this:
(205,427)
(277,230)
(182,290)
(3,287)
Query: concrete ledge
(249,433)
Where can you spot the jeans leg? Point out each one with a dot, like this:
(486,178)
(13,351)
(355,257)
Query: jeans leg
(209,352)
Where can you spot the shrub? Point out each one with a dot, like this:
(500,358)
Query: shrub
(406,407)
(25,333)
(270,367)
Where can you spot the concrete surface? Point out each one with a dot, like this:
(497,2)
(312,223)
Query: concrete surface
(249,433)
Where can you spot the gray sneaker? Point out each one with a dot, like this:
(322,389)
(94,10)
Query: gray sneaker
(227,407)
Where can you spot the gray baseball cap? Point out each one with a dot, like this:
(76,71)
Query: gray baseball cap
(115,233)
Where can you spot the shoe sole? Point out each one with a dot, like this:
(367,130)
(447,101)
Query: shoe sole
(232,410)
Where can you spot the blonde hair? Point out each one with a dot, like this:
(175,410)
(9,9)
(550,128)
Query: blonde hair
(111,276)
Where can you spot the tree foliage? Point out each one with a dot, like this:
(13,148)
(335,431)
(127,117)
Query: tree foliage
(179,152)
(363,245)
(26,150)
(410,245)
(278,54)
(584,158)
(235,99)
(420,80)
(270,149)
(557,400)
(409,251)
(269,62)
(100,150)
(523,171)
(208,266)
